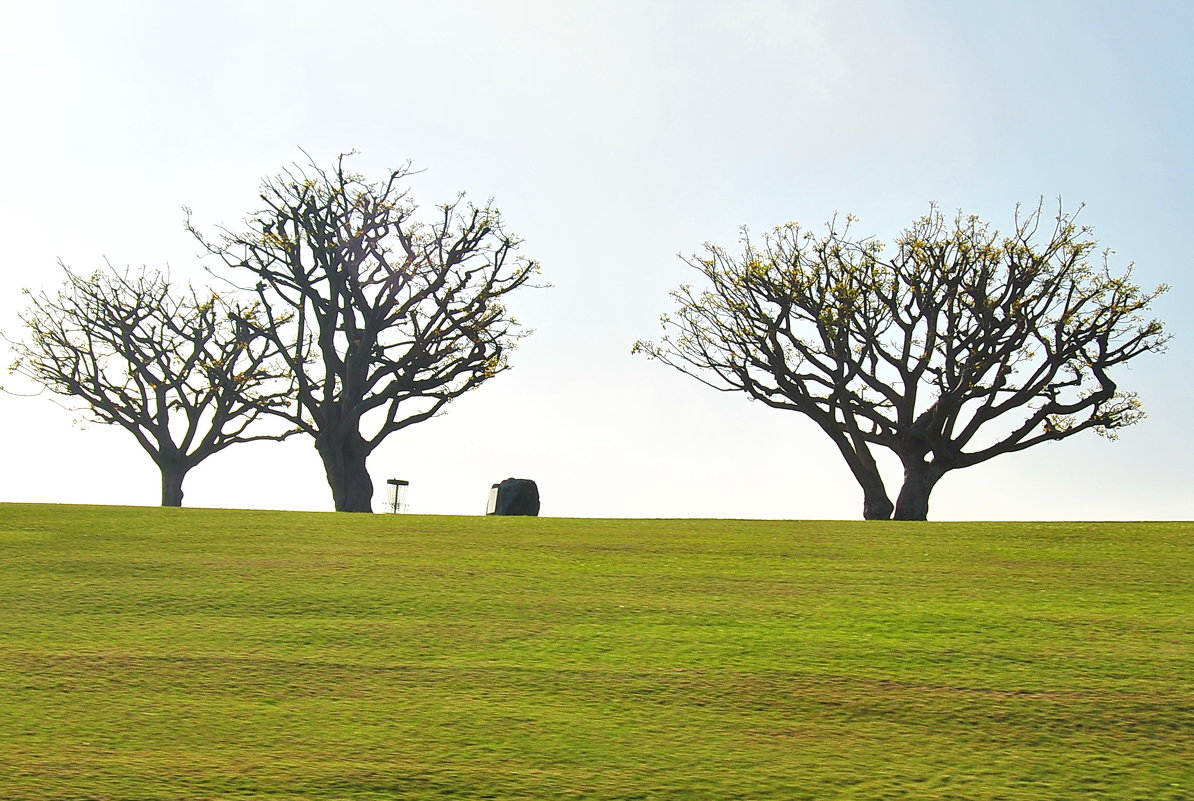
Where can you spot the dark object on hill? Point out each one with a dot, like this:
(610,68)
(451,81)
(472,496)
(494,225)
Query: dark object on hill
(514,496)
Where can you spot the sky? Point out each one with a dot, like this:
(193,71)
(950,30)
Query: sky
(613,136)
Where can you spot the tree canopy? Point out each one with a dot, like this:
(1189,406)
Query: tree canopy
(186,373)
(955,346)
(382,319)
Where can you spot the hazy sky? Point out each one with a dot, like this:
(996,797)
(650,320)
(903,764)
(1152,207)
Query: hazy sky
(613,136)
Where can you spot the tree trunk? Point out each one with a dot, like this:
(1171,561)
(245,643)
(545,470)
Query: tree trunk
(344,462)
(172,476)
(875,503)
(919,479)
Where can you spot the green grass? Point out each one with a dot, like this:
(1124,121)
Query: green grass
(207,654)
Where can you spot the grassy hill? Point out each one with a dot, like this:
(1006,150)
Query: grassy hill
(213,654)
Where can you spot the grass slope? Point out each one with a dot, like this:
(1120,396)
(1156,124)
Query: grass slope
(209,654)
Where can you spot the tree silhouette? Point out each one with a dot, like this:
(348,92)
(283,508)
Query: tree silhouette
(382,319)
(961,345)
(186,374)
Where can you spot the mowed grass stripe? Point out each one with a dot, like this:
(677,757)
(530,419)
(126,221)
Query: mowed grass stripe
(211,654)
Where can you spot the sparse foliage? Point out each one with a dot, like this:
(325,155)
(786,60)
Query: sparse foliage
(185,373)
(960,345)
(382,319)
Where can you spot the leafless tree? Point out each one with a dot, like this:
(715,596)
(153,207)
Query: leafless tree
(961,345)
(187,374)
(382,319)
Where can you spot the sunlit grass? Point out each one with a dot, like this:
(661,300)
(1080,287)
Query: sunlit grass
(207,654)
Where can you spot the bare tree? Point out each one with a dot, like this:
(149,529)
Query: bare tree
(962,345)
(186,374)
(382,319)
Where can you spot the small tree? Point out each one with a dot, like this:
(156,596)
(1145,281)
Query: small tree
(961,345)
(382,319)
(185,374)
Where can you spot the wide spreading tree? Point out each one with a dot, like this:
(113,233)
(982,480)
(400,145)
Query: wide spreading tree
(185,372)
(959,345)
(382,319)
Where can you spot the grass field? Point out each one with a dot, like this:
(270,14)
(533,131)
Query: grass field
(206,654)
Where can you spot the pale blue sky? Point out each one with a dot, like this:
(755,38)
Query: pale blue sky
(612,135)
